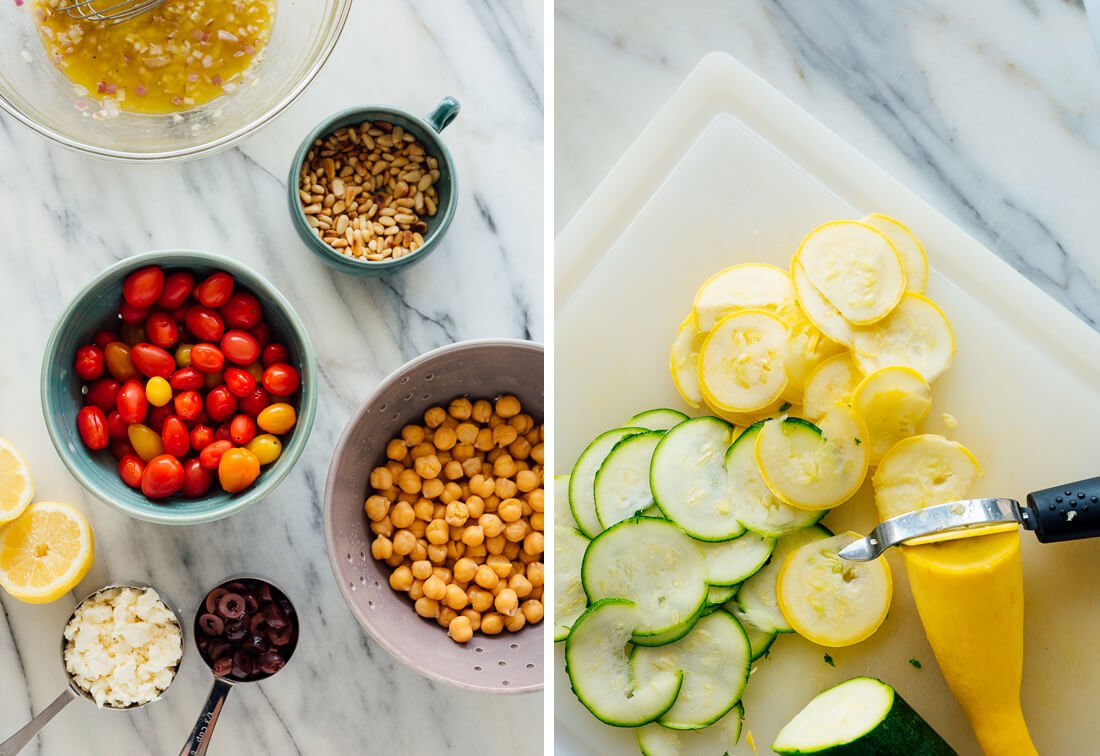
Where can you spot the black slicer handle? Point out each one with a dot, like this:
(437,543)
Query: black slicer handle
(1065,513)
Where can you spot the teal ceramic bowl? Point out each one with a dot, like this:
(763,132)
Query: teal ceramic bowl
(96,307)
(427,131)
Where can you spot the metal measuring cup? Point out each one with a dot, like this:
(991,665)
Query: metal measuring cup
(27,733)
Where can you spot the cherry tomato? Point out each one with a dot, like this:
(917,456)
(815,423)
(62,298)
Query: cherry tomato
(89,362)
(263,334)
(116,426)
(152,361)
(163,477)
(211,455)
(221,433)
(133,315)
(277,418)
(242,310)
(220,404)
(183,355)
(143,287)
(213,380)
(242,429)
(254,403)
(238,469)
(92,424)
(179,315)
(215,290)
(158,391)
(103,338)
(202,419)
(120,449)
(132,333)
(266,447)
(162,330)
(131,402)
(197,480)
(205,323)
(207,358)
(281,379)
(177,289)
(116,355)
(240,347)
(130,468)
(145,442)
(256,370)
(188,404)
(201,437)
(102,393)
(274,353)
(176,439)
(187,379)
(239,382)
(157,416)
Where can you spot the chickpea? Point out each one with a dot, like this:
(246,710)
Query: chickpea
(381,478)
(443,574)
(506,602)
(452,471)
(537,452)
(455,533)
(418,527)
(451,492)
(496,544)
(473,535)
(477,553)
(438,532)
(532,611)
(515,623)
(505,488)
(401,579)
(492,624)
(412,435)
(536,573)
(456,598)
(482,411)
(409,482)
(522,422)
(419,552)
(533,544)
(403,542)
(456,549)
(503,435)
(526,558)
(447,615)
(537,499)
(434,417)
(475,507)
(510,510)
(496,420)
(527,481)
(444,457)
(383,528)
(427,607)
(464,570)
(424,510)
(481,485)
(396,450)
(422,570)
(395,466)
(520,585)
(507,406)
(474,617)
(493,455)
(502,566)
(437,554)
(466,433)
(402,515)
(432,488)
(485,577)
(421,450)
(463,453)
(377,507)
(538,521)
(456,513)
(381,548)
(434,588)
(439,512)
(444,439)
(396,560)
(480,599)
(511,550)
(484,441)
(516,531)
(520,448)
(428,467)
(460,629)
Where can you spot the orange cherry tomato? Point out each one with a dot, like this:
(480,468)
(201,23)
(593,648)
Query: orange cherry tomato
(277,418)
(238,469)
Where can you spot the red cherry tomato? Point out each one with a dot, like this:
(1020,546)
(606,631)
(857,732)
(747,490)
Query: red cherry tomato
(102,393)
(157,416)
(188,405)
(211,455)
(222,433)
(132,315)
(239,382)
(202,419)
(220,404)
(187,379)
(163,477)
(242,310)
(179,314)
(281,379)
(201,437)
(92,424)
(274,353)
(89,362)
(207,358)
(177,289)
(197,480)
(205,323)
(143,287)
(151,360)
(242,429)
(120,449)
(116,427)
(255,402)
(131,402)
(130,468)
(215,290)
(176,438)
(263,334)
(104,337)
(162,329)
(240,347)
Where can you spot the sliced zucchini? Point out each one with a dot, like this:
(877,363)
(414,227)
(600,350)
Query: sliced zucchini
(807,347)
(751,286)
(600,672)
(812,467)
(862,716)
(909,248)
(717,740)
(756,507)
(756,600)
(818,310)
(717,595)
(622,482)
(730,562)
(916,334)
(569,598)
(741,361)
(653,564)
(715,658)
(831,601)
(892,403)
(674,633)
(657,419)
(688,479)
(582,481)
(759,640)
(563,515)
(921,471)
(830,385)
(683,361)
(855,267)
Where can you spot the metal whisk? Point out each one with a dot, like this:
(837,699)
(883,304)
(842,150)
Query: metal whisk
(109,11)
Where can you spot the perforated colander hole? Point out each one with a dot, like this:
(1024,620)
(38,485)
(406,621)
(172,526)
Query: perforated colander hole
(395,416)
(502,663)
(480,650)
(505,683)
(429,376)
(408,396)
(383,408)
(477,669)
(349,557)
(363,579)
(426,397)
(530,665)
(514,646)
(404,380)
(371,605)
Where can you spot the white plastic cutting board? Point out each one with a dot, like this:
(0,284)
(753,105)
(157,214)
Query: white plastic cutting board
(731,171)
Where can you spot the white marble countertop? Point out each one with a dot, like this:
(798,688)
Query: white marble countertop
(988,109)
(65,217)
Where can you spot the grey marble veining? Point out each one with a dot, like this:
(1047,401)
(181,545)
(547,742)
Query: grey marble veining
(64,217)
(988,109)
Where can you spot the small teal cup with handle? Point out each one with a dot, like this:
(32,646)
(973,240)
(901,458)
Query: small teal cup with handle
(428,132)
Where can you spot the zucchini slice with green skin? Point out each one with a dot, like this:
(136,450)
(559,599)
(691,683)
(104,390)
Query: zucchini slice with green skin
(734,561)
(756,507)
(718,739)
(688,479)
(756,600)
(717,595)
(760,641)
(563,515)
(569,598)
(654,564)
(582,481)
(859,717)
(714,657)
(600,671)
(621,487)
(658,419)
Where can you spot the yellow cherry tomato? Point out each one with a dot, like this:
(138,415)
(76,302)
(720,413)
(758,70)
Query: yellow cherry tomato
(256,370)
(158,391)
(266,447)
(146,441)
(183,355)
(238,470)
(277,418)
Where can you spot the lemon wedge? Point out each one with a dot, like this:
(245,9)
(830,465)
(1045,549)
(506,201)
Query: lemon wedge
(16,484)
(45,552)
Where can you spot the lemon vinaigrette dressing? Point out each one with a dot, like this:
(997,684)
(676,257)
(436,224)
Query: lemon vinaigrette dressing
(176,57)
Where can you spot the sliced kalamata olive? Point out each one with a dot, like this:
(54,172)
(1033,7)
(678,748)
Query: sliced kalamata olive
(212,599)
(211,624)
(223,666)
(281,636)
(271,662)
(251,602)
(258,643)
(275,617)
(242,665)
(235,630)
(218,650)
(265,592)
(236,586)
(231,606)
(257,623)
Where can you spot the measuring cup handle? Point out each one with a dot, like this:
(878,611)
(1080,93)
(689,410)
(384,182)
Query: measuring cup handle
(15,743)
(201,736)
(445,112)
(1066,512)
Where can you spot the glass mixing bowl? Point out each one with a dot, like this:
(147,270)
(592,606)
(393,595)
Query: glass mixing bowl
(36,93)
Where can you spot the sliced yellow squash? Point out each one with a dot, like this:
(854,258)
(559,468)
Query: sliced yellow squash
(741,362)
(807,347)
(752,286)
(830,385)
(745,419)
(892,402)
(910,250)
(922,471)
(818,310)
(856,268)
(916,334)
(683,362)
